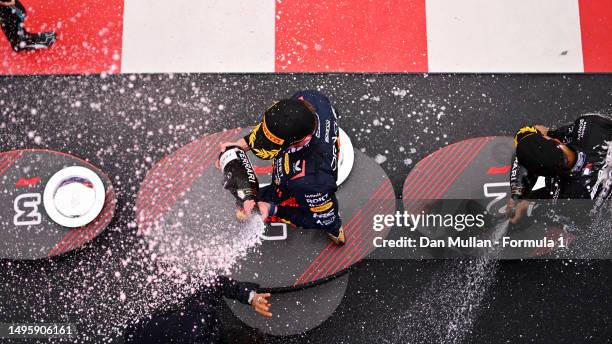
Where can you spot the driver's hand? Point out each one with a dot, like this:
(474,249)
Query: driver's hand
(10,3)
(223,147)
(248,207)
(261,305)
(542,129)
(264,210)
(519,211)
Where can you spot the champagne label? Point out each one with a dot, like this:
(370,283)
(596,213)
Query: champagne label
(227,157)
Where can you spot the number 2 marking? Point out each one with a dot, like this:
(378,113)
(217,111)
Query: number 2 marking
(498,195)
(276,237)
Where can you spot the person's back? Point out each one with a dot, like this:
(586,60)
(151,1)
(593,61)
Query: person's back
(309,174)
(587,137)
(576,161)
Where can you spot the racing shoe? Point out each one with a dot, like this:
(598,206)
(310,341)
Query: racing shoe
(35,41)
(338,240)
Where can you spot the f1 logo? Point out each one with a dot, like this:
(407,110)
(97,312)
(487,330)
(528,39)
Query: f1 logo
(26,210)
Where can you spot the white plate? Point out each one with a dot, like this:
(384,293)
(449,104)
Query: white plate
(74,196)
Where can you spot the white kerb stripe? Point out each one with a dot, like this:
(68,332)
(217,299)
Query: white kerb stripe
(198,36)
(504,36)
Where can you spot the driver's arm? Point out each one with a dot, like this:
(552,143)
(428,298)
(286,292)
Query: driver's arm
(246,293)
(563,134)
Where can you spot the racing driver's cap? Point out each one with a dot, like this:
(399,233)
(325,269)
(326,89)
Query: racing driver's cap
(539,155)
(285,123)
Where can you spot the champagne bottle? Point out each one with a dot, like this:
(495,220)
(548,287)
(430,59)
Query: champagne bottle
(239,176)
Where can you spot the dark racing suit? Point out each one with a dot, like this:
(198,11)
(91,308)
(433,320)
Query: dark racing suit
(193,321)
(303,185)
(12,23)
(590,138)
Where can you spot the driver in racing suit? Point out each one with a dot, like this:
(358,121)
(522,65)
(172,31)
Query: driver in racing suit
(12,17)
(576,161)
(301,135)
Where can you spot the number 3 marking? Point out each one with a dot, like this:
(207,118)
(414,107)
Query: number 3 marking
(24,203)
